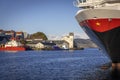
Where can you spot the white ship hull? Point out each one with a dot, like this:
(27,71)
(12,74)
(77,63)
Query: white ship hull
(103,27)
(96,14)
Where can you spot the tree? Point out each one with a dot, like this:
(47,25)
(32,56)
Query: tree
(38,35)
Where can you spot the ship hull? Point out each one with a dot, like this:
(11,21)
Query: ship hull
(103,27)
(12,49)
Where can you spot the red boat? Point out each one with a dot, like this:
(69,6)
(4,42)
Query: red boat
(12,45)
(12,49)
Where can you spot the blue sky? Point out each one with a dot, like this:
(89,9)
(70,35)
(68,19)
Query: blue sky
(53,17)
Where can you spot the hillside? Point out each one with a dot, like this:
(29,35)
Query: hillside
(38,35)
(84,43)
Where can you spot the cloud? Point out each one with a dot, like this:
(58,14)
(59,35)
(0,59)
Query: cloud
(53,37)
(81,35)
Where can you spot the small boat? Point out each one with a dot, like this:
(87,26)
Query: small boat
(59,48)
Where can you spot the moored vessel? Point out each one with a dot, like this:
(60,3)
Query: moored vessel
(100,19)
(12,45)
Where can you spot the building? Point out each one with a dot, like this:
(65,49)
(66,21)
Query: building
(3,40)
(2,32)
(70,40)
(9,34)
(48,45)
(19,35)
(25,35)
(39,45)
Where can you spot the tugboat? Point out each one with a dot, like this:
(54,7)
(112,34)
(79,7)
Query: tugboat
(100,19)
(12,45)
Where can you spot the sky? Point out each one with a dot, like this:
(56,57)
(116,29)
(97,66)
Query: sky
(55,18)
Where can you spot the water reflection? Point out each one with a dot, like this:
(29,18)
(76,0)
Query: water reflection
(11,51)
(115,74)
(112,75)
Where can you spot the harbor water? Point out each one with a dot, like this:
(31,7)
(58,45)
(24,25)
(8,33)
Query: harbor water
(54,65)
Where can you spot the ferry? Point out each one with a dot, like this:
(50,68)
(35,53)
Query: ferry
(12,45)
(100,19)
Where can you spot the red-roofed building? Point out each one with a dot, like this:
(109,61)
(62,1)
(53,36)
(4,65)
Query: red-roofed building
(19,35)
(10,33)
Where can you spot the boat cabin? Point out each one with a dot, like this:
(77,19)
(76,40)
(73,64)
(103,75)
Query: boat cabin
(93,3)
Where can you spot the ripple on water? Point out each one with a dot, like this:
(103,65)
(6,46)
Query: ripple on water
(53,65)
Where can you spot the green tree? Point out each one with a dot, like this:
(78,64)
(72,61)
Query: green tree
(38,35)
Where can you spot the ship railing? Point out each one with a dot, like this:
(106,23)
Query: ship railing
(88,3)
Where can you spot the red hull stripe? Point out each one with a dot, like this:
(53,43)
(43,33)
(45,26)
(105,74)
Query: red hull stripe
(101,25)
(12,49)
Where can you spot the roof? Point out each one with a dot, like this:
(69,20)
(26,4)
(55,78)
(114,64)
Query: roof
(19,32)
(1,30)
(10,31)
(51,44)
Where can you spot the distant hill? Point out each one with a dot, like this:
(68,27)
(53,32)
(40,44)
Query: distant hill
(38,35)
(84,43)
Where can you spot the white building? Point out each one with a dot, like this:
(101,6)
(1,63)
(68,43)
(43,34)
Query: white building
(39,45)
(69,39)
(25,34)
